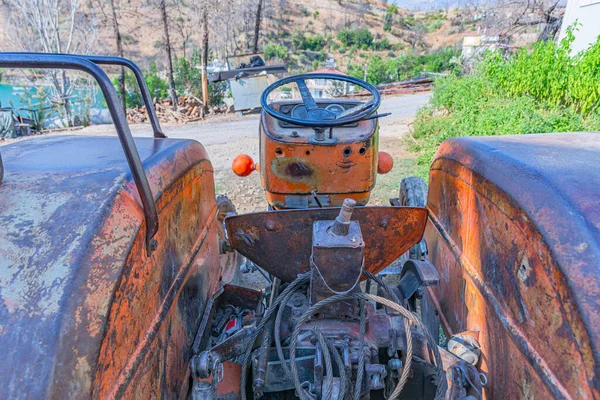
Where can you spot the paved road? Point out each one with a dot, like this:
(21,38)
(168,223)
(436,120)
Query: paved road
(404,107)
(225,129)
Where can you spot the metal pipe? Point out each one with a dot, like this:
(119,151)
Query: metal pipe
(53,61)
(341,225)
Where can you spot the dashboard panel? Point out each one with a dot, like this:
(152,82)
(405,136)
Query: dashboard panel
(298,110)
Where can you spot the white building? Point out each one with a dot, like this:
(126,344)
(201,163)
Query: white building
(587,14)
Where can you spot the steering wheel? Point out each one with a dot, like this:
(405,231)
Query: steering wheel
(319,117)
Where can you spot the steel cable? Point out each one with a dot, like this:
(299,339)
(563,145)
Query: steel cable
(361,353)
(341,369)
(328,365)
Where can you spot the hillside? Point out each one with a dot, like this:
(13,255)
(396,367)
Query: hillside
(394,31)
(285,23)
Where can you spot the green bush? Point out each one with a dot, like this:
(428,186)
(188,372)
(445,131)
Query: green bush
(364,37)
(347,37)
(273,50)
(312,43)
(546,89)
(156,85)
(407,66)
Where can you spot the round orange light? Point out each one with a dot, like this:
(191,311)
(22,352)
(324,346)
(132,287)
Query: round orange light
(243,165)
(385,163)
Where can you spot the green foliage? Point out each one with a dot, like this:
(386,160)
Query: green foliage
(392,9)
(550,73)
(273,50)
(347,37)
(406,66)
(434,26)
(388,19)
(546,89)
(312,43)
(362,38)
(156,85)
(188,78)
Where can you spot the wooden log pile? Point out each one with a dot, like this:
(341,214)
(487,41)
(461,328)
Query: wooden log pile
(189,109)
(421,84)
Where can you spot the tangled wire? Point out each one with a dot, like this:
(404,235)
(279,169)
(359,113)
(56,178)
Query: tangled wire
(329,349)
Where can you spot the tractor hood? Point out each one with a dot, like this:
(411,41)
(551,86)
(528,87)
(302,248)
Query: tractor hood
(69,215)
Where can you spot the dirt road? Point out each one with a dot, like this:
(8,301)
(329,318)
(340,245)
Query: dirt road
(225,136)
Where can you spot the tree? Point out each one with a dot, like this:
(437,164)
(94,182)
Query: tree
(257,25)
(511,17)
(183,24)
(53,26)
(168,50)
(118,39)
(205,55)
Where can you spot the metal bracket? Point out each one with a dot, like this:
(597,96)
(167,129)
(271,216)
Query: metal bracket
(415,274)
(79,63)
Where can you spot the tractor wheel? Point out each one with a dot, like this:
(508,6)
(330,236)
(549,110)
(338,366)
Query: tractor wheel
(229,258)
(413,193)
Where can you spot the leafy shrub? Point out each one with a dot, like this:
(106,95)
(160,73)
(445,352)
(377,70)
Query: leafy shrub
(550,73)
(388,18)
(547,89)
(406,66)
(364,37)
(156,85)
(434,26)
(347,37)
(302,42)
(273,50)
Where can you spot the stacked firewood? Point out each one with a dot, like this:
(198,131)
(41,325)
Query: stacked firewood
(421,84)
(189,109)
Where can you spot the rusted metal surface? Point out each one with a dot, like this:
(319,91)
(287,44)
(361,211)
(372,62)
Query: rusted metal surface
(280,242)
(292,166)
(69,62)
(84,310)
(514,233)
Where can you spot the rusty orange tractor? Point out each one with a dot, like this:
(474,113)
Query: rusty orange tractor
(317,152)
(117,262)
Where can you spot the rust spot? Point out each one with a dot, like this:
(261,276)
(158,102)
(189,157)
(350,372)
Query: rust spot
(298,170)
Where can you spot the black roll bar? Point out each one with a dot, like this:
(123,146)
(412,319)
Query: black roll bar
(139,77)
(80,63)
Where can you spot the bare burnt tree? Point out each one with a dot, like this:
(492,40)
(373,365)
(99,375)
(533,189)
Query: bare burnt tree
(119,42)
(182,23)
(257,25)
(53,26)
(168,51)
(205,28)
(512,17)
